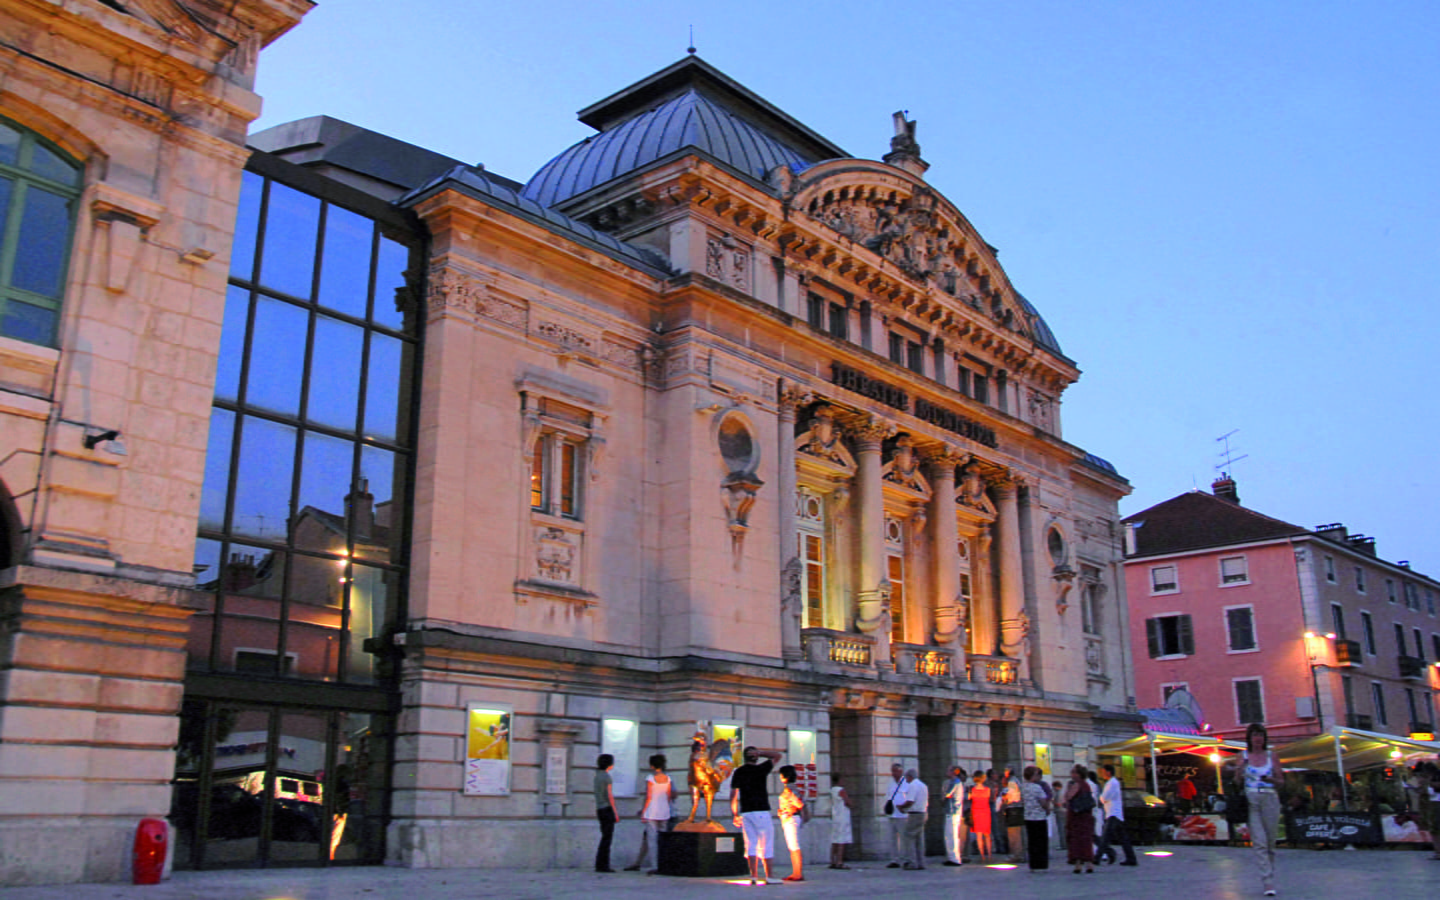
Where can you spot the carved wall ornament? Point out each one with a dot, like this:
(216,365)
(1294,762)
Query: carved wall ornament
(569,338)
(872,431)
(624,355)
(1064,580)
(728,260)
(555,554)
(737,495)
(449,288)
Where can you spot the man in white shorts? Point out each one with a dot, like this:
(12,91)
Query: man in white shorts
(750,805)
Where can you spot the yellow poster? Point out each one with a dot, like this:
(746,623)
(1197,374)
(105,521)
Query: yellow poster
(1042,758)
(487,751)
(489,734)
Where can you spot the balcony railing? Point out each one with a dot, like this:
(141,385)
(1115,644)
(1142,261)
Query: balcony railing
(1347,653)
(846,648)
(993,669)
(1355,720)
(1411,667)
(913,659)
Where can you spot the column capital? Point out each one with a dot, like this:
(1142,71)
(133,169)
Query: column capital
(871,432)
(792,396)
(943,459)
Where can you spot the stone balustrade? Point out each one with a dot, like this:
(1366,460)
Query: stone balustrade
(993,669)
(913,659)
(846,648)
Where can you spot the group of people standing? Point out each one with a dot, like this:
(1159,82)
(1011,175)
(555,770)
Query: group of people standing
(1093,814)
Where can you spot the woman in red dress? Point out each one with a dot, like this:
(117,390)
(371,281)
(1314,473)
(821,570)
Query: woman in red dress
(980,796)
(1080,823)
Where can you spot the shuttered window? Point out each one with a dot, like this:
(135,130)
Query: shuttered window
(1170,636)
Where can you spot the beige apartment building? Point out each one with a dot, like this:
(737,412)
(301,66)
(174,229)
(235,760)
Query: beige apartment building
(356,499)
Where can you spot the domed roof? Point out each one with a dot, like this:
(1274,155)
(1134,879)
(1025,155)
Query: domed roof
(688,106)
(690,120)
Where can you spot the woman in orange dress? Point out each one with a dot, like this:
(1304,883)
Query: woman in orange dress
(980,796)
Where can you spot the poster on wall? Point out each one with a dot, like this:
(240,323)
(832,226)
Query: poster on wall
(487,749)
(621,739)
(1042,758)
(801,755)
(733,733)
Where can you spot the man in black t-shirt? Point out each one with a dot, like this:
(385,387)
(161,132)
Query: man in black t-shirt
(750,804)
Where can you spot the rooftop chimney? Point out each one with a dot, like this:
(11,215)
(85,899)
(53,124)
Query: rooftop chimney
(1224,488)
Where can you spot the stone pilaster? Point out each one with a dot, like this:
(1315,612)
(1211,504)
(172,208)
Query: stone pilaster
(791,399)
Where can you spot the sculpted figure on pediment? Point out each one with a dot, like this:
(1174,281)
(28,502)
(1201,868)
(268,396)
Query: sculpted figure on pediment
(904,466)
(822,440)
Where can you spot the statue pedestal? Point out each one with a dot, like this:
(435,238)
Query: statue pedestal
(702,854)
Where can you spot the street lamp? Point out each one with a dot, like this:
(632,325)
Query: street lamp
(1219,782)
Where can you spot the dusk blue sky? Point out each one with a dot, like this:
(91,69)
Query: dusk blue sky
(1229,213)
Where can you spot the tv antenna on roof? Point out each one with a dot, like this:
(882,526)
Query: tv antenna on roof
(691,49)
(1227,456)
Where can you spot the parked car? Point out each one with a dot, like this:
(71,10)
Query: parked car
(1144,814)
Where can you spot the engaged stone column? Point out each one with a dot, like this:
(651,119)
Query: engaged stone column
(791,399)
(984,630)
(946,537)
(1013,625)
(873,612)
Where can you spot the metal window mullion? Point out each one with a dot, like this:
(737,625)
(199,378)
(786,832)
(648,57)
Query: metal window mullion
(267,806)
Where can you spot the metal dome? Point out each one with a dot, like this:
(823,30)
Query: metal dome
(688,120)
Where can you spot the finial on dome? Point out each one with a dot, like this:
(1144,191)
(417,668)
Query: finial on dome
(691,49)
(904,150)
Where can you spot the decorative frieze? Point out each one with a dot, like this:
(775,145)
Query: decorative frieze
(728,260)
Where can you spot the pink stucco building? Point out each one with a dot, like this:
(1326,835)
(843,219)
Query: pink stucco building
(1264,621)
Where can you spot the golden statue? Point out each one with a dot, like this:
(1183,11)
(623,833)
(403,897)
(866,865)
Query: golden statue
(709,767)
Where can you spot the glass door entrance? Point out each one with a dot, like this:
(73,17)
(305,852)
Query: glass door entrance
(262,786)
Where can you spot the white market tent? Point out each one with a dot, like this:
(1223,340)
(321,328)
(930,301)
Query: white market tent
(1350,748)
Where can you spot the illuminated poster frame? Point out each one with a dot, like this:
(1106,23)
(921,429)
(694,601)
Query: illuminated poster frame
(488,730)
(800,752)
(621,739)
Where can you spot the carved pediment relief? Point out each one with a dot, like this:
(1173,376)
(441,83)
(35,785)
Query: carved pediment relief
(920,233)
(971,501)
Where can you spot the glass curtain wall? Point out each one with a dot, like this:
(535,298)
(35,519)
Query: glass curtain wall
(304,518)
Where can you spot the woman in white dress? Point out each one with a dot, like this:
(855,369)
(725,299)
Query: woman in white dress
(659,791)
(840,833)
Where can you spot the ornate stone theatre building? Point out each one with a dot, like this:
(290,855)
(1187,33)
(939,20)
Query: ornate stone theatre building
(454,482)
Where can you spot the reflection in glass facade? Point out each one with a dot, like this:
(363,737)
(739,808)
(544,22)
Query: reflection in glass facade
(300,561)
(304,507)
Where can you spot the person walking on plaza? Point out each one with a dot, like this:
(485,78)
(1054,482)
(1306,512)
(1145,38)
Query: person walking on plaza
(956,832)
(896,816)
(917,813)
(605,810)
(792,815)
(980,816)
(841,834)
(1261,775)
(1113,802)
(655,813)
(1036,801)
(750,805)
(1079,802)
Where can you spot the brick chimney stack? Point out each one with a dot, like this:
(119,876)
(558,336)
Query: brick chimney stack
(1224,488)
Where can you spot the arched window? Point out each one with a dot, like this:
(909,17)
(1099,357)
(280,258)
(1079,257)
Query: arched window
(39,186)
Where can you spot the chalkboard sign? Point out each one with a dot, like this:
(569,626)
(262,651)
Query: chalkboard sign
(1335,828)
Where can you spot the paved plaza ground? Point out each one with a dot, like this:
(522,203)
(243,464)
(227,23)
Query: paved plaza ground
(1190,872)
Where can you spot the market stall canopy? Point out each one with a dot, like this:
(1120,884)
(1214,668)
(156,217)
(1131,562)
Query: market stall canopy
(1166,742)
(1348,749)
